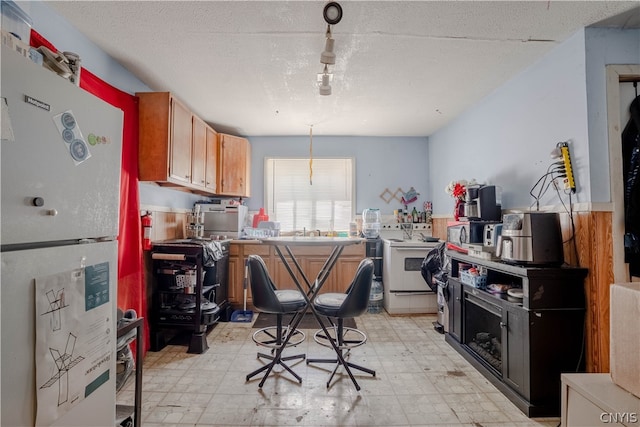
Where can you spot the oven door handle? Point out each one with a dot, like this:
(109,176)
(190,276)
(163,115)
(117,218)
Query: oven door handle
(411,248)
(491,308)
(410,293)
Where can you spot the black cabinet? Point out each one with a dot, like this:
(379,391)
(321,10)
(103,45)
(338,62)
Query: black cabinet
(190,285)
(455,309)
(521,345)
(515,354)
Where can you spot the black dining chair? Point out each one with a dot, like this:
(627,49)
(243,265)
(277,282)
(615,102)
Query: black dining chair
(337,307)
(268,299)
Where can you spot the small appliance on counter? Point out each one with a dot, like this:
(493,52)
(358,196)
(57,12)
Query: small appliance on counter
(223,218)
(461,234)
(532,238)
(195,219)
(483,203)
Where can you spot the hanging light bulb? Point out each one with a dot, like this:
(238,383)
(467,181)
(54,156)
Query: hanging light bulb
(328,56)
(325,87)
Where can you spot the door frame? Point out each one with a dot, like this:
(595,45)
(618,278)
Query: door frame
(615,75)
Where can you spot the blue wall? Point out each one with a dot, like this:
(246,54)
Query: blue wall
(381,163)
(506,138)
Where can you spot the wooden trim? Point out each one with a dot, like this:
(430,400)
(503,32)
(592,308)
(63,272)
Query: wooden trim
(615,75)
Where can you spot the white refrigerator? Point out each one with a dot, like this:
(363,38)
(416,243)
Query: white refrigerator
(61,153)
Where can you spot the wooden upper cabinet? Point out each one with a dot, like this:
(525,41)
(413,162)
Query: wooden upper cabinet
(180,142)
(234,165)
(176,147)
(199,152)
(212,160)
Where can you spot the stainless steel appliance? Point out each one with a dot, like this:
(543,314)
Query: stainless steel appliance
(462,233)
(491,234)
(222,218)
(60,205)
(533,238)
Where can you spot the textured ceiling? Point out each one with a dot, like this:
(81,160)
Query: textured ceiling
(403,68)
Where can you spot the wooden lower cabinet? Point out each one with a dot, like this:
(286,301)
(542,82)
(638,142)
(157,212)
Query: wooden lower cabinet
(311,260)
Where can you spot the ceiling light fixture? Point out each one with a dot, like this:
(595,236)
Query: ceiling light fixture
(332,14)
(325,87)
(328,56)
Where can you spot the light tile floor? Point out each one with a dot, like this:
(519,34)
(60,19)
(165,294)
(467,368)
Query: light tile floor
(420,381)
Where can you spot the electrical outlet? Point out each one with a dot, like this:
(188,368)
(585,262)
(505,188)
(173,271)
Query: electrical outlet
(569,181)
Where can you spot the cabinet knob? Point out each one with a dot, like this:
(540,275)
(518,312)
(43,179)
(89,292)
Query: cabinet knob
(457,298)
(503,325)
(37,201)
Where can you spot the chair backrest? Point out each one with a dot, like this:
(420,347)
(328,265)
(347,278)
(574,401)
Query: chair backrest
(262,287)
(357,299)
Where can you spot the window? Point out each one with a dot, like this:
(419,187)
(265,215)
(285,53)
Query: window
(327,203)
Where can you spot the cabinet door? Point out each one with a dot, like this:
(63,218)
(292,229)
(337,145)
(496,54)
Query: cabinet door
(514,348)
(199,152)
(455,309)
(236,275)
(181,135)
(344,274)
(211,163)
(281,275)
(232,165)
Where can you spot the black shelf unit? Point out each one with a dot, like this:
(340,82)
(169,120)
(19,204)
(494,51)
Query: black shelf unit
(521,346)
(126,410)
(179,306)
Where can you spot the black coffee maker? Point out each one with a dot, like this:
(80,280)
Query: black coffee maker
(483,203)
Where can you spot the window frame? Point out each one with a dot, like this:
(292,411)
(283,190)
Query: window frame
(268,194)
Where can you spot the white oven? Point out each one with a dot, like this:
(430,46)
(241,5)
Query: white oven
(405,290)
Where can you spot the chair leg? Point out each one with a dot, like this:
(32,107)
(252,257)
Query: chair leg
(280,343)
(343,355)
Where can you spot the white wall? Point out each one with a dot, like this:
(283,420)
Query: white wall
(381,162)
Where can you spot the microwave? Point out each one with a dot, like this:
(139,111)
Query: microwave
(462,233)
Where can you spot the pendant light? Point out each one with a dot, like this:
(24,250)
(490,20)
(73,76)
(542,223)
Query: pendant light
(328,57)
(332,14)
(325,87)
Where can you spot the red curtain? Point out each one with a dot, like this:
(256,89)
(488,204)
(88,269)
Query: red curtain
(131,283)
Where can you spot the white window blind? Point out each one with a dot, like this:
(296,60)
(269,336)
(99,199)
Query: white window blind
(325,203)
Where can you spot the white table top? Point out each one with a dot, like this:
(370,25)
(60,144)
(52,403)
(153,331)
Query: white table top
(312,241)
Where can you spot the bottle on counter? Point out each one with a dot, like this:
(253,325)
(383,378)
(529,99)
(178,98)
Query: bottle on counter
(371,223)
(414,215)
(375,297)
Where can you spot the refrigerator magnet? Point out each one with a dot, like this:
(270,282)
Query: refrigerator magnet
(72,136)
